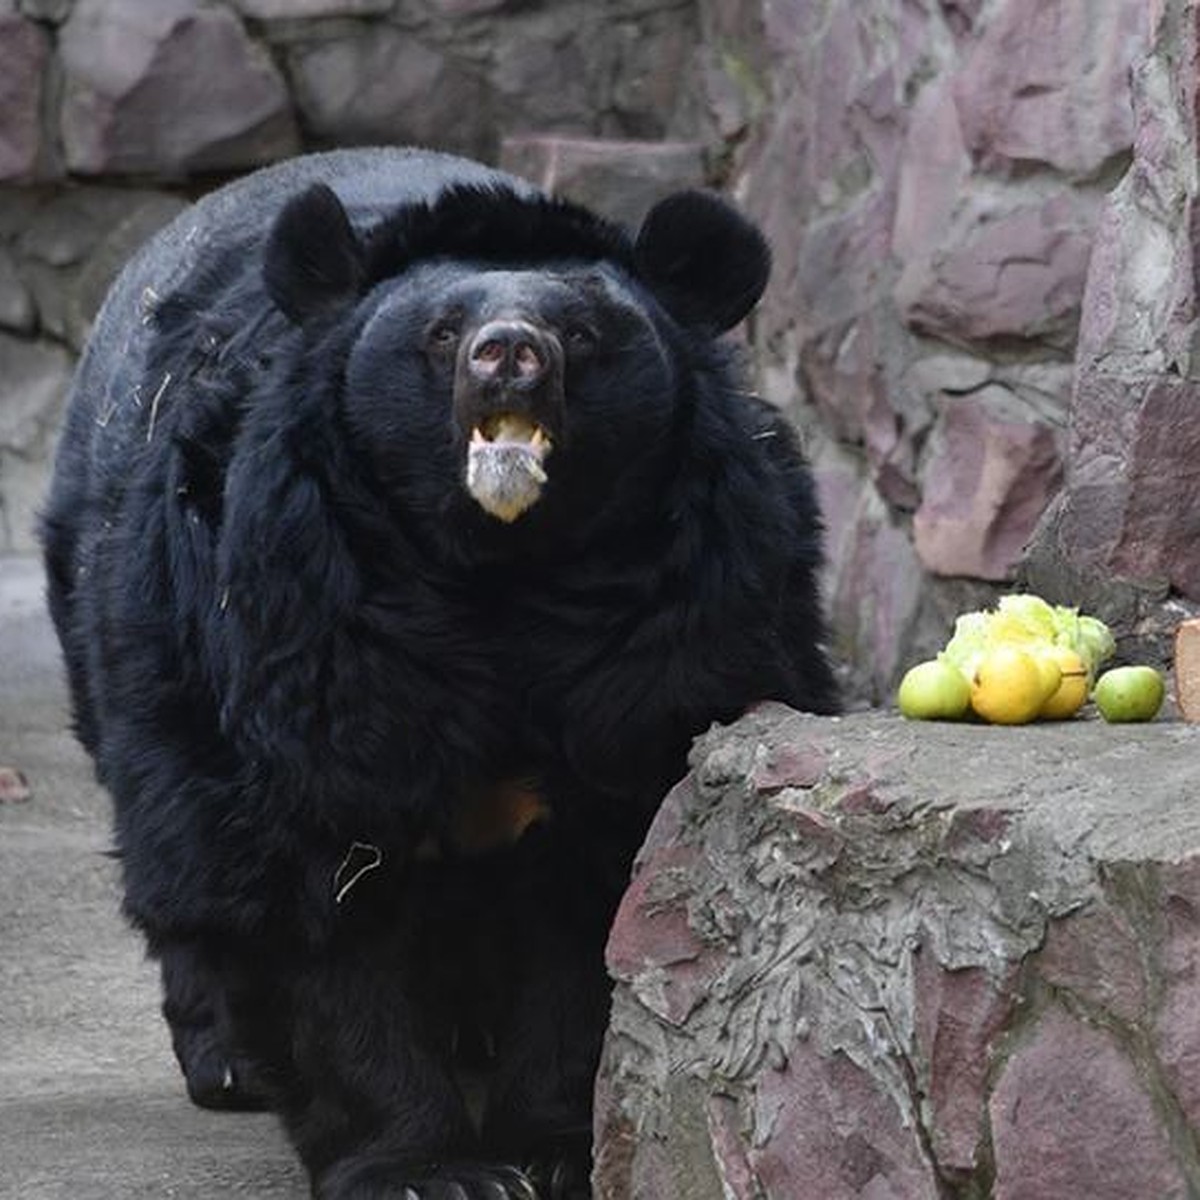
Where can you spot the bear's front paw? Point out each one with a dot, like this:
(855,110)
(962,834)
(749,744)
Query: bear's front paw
(380,1178)
(560,1177)
(218,1080)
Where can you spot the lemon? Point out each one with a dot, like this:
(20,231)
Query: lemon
(1068,698)
(1008,687)
(934,691)
(1048,669)
(1129,693)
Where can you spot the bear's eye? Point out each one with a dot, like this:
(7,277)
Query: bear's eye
(442,336)
(578,338)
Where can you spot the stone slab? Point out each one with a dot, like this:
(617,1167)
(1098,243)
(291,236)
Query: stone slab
(894,958)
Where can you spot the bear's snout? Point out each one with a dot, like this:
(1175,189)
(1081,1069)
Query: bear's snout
(510,366)
(510,353)
(508,395)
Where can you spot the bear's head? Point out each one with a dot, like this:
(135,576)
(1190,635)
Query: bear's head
(510,353)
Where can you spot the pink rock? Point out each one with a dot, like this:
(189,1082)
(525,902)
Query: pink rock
(790,24)
(1070,1119)
(975,834)
(1104,323)
(986,487)
(823,1129)
(839,368)
(1124,523)
(790,765)
(1047,81)
(839,492)
(932,170)
(862,798)
(962,15)
(875,590)
(24,49)
(958,1016)
(822,174)
(1095,955)
(168,88)
(1133,479)
(1014,273)
(1177,1031)
(652,946)
(738,1181)
(1162,488)
(842,369)
(650,931)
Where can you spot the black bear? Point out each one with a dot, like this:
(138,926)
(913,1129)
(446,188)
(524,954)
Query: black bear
(407,525)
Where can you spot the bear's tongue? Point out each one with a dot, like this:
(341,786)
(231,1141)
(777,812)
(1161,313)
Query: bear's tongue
(504,464)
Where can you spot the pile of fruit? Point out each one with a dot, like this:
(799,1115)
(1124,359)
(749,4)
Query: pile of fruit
(1027,660)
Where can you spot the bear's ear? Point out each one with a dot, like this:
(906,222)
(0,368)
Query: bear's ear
(704,261)
(313,261)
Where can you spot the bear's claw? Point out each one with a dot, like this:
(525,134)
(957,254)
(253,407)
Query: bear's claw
(384,1179)
(216,1082)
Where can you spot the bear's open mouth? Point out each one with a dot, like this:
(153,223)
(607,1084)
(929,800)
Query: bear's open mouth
(505,474)
(512,428)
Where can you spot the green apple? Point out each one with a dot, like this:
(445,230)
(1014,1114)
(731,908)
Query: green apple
(934,691)
(1129,693)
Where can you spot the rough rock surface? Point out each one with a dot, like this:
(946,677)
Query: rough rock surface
(622,179)
(24,53)
(387,86)
(33,385)
(931,177)
(990,476)
(1046,83)
(59,251)
(141,93)
(848,967)
(268,10)
(1124,531)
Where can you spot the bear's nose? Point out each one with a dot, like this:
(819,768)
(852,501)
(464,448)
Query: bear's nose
(509,352)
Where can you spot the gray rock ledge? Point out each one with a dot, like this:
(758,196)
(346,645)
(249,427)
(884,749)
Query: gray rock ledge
(867,957)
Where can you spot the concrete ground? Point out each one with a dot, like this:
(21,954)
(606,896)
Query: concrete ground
(92,1106)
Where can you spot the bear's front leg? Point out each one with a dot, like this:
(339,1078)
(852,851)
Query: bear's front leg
(560,902)
(358,1034)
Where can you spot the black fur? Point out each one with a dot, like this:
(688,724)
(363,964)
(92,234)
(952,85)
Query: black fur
(313,260)
(305,659)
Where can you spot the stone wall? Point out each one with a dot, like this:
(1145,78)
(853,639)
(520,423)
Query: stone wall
(932,177)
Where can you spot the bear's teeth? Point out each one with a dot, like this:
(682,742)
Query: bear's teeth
(510,430)
(534,468)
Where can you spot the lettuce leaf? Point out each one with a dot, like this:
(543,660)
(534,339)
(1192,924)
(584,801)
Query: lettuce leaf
(1027,620)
